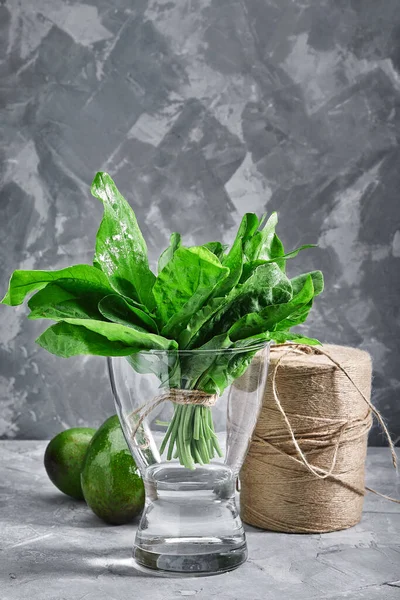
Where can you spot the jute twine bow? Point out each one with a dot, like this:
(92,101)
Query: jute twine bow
(278,496)
(177,396)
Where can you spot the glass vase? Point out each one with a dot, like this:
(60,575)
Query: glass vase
(189,435)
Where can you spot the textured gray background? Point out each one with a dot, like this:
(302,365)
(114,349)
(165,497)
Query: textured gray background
(201,110)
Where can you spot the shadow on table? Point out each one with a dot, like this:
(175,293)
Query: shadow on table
(69,541)
(56,508)
(70,562)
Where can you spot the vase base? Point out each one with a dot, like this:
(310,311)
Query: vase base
(190,524)
(197,564)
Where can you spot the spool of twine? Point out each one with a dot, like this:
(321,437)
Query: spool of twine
(304,471)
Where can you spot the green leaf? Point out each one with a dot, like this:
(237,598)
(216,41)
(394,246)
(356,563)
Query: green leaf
(195,365)
(249,267)
(257,247)
(266,319)
(248,226)
(265,245)
(300,315)
(67,298)
(317,279)
(234,259)
(234,262)
(293,253)
(120,310)
(23,283)
(229,365)
(216,248)
(296,318)
(262,220)
(184,285)
(280,337)
(165,366)
(276,252)
(266,286)
(65,340)
(73,337)
(121,250)
(237,366)
(198,319)
(166,256)
(127,335)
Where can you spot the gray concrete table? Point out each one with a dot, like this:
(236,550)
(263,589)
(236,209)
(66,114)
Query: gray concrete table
(53,548)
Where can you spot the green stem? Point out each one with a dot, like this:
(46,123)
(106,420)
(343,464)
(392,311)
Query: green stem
(175,420)
(197,417)
(168,432)
(179,444)
(214,438)
(202,446)
(217,446)
(209,432)
(191,437)
(196,454)
(187,436)
(184,453)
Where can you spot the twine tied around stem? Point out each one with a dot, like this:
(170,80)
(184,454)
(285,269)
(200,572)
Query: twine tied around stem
(176,396)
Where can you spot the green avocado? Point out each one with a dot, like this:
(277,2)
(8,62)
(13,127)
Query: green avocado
(63,459)
(110,479)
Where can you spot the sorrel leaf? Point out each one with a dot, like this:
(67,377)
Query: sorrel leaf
(184,286)
(166,256)
(121,251)
(121,310)
(67,298)
(23,283)
(83,336)
(266,286)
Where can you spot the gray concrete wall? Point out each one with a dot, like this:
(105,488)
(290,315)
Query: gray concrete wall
(201,110)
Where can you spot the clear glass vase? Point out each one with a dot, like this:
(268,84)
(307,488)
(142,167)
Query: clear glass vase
(189,447)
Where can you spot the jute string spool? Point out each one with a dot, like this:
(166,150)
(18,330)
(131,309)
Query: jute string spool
(304,471)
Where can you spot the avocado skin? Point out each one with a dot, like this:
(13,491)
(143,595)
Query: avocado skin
(111,483)
(64,457)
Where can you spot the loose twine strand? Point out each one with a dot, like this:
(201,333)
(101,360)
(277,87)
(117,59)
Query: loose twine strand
(275,494)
